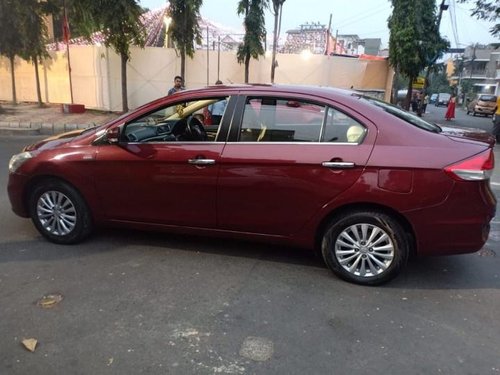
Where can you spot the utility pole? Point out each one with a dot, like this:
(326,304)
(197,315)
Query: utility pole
(335,42)
(277,7)
(208,57)
(473,57)
(442,8)
(328,35)
(218,58)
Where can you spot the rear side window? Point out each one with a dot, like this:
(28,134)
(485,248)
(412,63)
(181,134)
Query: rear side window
(292,120)
(402,114)
(342,128)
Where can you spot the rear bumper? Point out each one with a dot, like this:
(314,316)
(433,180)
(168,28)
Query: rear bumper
(461,224)
(484,110)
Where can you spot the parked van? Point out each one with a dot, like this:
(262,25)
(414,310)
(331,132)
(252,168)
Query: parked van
(484,104)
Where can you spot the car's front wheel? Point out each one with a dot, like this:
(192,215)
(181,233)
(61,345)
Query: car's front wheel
(59,212)
(365,247)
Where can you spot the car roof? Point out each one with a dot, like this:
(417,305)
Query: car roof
(263,87)
(270,89)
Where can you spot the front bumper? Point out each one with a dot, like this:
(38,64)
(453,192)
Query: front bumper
(16,189)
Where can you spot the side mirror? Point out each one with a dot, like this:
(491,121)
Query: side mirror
(113,135)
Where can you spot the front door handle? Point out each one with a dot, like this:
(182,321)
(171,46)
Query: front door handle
(337,164)
(201,161)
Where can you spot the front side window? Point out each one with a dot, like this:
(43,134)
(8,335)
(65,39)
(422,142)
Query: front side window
(193,121)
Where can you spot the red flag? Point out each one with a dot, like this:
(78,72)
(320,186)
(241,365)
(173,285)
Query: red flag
(66,34)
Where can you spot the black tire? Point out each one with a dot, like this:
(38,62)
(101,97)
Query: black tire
(384,263)
(59,212)
(474,114)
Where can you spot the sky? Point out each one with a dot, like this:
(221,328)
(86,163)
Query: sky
(366,18)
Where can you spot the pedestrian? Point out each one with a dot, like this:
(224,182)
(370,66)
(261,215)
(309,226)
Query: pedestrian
(450,112)
(426,101)
(217,109)
(178,85)
(496,121)
(414,102)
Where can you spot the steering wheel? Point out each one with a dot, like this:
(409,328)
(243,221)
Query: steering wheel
(179,129)
(195,131)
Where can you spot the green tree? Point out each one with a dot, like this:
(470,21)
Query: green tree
(34,36)
(119,21)
(438,80)
(414,40)
(184,28)
(486,10)
(255,31)
(277,11)
(11,44)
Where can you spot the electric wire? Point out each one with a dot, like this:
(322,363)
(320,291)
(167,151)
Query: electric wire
(453,19)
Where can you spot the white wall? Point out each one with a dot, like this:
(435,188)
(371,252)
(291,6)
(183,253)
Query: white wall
(150,71)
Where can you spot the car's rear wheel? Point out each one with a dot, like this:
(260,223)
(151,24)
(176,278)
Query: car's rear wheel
(59,212)
(365,247)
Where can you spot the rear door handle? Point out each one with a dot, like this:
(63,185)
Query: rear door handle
(338,164)
(201,161)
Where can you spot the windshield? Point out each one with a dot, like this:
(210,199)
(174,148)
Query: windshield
(403,115)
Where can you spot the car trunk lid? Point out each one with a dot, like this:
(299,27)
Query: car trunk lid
(468,134)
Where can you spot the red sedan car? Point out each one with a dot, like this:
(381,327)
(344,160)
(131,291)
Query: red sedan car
(363,182)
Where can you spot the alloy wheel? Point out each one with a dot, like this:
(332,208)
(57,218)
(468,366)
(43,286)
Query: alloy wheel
(364,250)
(56,213)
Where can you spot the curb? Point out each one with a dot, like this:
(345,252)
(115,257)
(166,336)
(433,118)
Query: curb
(37,128)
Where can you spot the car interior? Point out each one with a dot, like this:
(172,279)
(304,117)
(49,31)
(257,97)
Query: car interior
(180,122)
(264,120)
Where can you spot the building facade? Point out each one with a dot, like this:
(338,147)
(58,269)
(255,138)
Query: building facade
(480,66)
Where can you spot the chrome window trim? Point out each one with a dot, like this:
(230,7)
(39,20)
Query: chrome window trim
(297,143)
(175,143)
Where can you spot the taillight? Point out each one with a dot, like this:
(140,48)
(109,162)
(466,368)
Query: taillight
(477,168)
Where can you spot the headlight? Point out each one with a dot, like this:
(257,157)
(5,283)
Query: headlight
(17,160)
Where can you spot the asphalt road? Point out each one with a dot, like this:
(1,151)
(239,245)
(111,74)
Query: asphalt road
(143,303)
(436,114)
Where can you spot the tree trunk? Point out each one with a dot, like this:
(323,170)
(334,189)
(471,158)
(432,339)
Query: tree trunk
(14,97)
(247,67)
(37,78)
(424,91)
(275,42)
(124,82)
(394,96)
(408,95)
(183,66)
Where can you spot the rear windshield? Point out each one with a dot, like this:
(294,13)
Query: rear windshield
(403,115)
(488,98)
